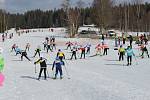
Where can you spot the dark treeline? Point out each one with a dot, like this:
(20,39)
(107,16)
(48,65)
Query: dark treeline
(125,17)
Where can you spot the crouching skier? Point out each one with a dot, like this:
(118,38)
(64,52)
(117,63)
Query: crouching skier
(24,53)
(58,64)
(43,67)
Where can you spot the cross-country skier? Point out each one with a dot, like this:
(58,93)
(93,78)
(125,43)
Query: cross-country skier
(88,48)
(130,53)
(49,47)
(74,53)
(105,47)
(53,45)
(98,49)
(24,54)
(69,44)
(45,45)
(58,65)
(38,50)
(82,48)
(3,37)
(60,55)
(17,50)
(47,39)
(121,53)
(130,40)
(43,67)
(13,47)
(27,46)
(144,50)
(123,38)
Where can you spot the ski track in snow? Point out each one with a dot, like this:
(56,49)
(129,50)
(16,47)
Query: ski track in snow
(95,78)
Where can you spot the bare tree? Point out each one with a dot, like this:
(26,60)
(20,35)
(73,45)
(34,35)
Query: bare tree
(102,13)
(72,16)
(138,4)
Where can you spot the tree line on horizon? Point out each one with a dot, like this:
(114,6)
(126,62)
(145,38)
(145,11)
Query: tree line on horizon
(103,13)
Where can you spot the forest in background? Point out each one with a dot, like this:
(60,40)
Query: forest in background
(105,14)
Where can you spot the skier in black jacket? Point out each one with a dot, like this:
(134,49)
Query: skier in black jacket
(24,53)
(74,53)
(43,66)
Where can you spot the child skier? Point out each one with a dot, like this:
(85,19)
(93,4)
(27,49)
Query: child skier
(82,52)
(98,49)
(17,50)
(13,47)
(49,47)
(130,40)
(45,45)
(38,50)
(105,47)
(130,53)
(43,67)
(58,65)
(27,46)
(69,44)
(144,49)
(121,53)
(24,54)
(74,53)
(88,48)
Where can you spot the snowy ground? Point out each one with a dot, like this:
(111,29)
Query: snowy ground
(95,78)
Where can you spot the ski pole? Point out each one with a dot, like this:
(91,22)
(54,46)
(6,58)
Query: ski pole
(136,60)
(35,69)
(47,72)
(67,72)
(66,62)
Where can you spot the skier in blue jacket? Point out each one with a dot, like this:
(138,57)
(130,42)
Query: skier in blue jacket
(130,53)
(58,64)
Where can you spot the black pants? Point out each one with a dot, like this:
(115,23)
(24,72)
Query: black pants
(41,70)
(45,46)
(13,48)
(24,56)
(105,51)
(131,43)
(82,54)
(88,51)
(146,53)
(49,48)
(27,48)
(121,56)
(129,59)
(124,41)
(36,53)
(73,54)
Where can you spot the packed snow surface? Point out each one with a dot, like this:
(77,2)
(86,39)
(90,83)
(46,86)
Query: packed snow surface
(93,78)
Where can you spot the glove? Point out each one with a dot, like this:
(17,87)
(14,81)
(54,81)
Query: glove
(52,69)
(34,63)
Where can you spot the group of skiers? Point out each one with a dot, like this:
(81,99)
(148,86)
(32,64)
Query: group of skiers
(49,44)
(74,48)
(5,36)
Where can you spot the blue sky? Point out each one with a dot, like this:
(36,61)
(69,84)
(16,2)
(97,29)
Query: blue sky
(24,5)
